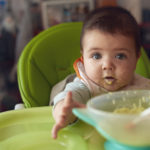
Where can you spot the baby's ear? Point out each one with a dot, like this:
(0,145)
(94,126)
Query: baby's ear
(81,51)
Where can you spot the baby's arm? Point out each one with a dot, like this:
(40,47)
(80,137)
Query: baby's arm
(63,113)
(65,101)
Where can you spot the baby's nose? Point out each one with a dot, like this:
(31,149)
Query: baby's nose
(108,65)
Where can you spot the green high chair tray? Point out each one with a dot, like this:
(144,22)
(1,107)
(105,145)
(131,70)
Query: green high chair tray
(30,129)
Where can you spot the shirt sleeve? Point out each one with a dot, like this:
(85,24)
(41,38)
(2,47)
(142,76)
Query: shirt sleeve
(80,92)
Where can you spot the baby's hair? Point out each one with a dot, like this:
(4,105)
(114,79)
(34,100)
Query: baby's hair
(112,20)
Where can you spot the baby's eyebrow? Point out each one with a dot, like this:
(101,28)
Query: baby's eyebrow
(123,49)
(94,49)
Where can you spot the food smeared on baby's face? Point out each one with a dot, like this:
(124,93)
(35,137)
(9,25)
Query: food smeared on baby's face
(109,80)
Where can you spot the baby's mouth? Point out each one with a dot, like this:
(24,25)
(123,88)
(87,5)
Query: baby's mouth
(109,80)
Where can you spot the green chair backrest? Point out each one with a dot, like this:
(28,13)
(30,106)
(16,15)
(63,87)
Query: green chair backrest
(48,58)
(143,65)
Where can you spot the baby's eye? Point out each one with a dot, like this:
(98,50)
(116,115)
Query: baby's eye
(121,56)
(96,56)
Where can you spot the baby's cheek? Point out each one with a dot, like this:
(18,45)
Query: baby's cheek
(91,71)
(95,77)
(126,77)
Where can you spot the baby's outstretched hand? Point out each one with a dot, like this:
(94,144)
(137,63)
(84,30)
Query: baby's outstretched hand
(63,113)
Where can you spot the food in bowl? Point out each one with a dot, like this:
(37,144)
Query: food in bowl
(125,110)
(133,109)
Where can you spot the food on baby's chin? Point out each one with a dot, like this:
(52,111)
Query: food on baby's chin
(125,110)
(108,81)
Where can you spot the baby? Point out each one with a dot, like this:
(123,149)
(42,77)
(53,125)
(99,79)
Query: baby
(110,48)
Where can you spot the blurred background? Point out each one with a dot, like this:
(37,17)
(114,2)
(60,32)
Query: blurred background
(21,20)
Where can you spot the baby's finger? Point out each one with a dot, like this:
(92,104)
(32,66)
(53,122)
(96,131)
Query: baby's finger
(55,130)
(60,123)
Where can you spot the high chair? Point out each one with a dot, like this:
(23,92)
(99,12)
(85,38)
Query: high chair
(48,58)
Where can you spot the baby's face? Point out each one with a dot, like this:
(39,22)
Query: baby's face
(109,60)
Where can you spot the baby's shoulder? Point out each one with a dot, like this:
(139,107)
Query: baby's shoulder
(141,82)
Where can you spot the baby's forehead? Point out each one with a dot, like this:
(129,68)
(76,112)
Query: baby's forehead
(98,34)
(98,40)
(113,33)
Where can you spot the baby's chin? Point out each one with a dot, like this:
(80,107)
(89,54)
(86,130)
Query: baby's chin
(113,87)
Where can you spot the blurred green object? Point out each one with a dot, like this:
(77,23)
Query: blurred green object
(143,65)
(48,58)
(30,129)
